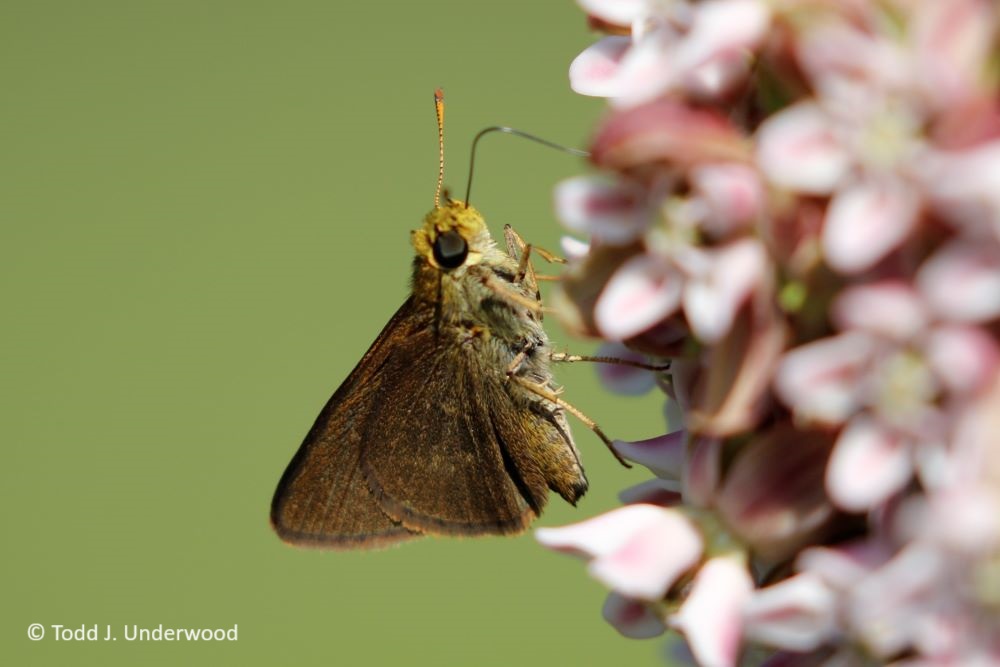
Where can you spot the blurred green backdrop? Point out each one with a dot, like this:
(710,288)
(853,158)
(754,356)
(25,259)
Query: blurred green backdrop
(205,215)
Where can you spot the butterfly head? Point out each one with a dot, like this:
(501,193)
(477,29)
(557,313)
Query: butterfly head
(453,235)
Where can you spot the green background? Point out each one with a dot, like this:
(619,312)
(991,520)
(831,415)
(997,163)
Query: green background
(205,216)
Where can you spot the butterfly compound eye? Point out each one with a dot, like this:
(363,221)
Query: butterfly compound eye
(450,250)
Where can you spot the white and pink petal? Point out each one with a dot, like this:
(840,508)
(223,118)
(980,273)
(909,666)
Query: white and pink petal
(668,130)
(865,221)
(961,281)
(648,69)
(797,614)
(964,519)
(610,209)
(573,249)
(733,193)
(964,358)
(890,308)
(869,464)
(717,51)
(964,184)
(711,618)
(617,12)
(648,565)
(951,43)
(886,609)
(731,383)
(712,299)
(600,535)
(641,293)
(822,380)
(595,72)
(840,58)
(845,565)
(799,149)
(636,550)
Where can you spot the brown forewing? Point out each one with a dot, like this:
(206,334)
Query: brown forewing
(323,498)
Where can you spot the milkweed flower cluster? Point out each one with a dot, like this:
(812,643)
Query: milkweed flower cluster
(797,202)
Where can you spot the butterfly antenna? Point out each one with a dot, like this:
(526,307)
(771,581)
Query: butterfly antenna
(524,135)
(439,111)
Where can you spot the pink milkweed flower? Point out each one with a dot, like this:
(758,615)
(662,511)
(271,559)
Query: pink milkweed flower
(668,133)
(607,208)
(809,149)
(710,285)
(883,378)
(815,246)
(732,194)
(770,498)
(638,551)
(652,233)
(855,142)
(951,44)
(869,137)
(963,184)
(961,280)
(703,49)
(797,614)
(642,292)
(711,618)
(807,611)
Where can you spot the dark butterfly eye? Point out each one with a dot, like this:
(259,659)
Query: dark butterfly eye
(450,250)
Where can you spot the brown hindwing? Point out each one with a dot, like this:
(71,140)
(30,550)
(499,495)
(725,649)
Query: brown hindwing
(444,466)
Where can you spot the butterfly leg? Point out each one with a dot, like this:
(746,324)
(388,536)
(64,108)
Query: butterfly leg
(521,251)
(502,290)
(565,357)
(553,397)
